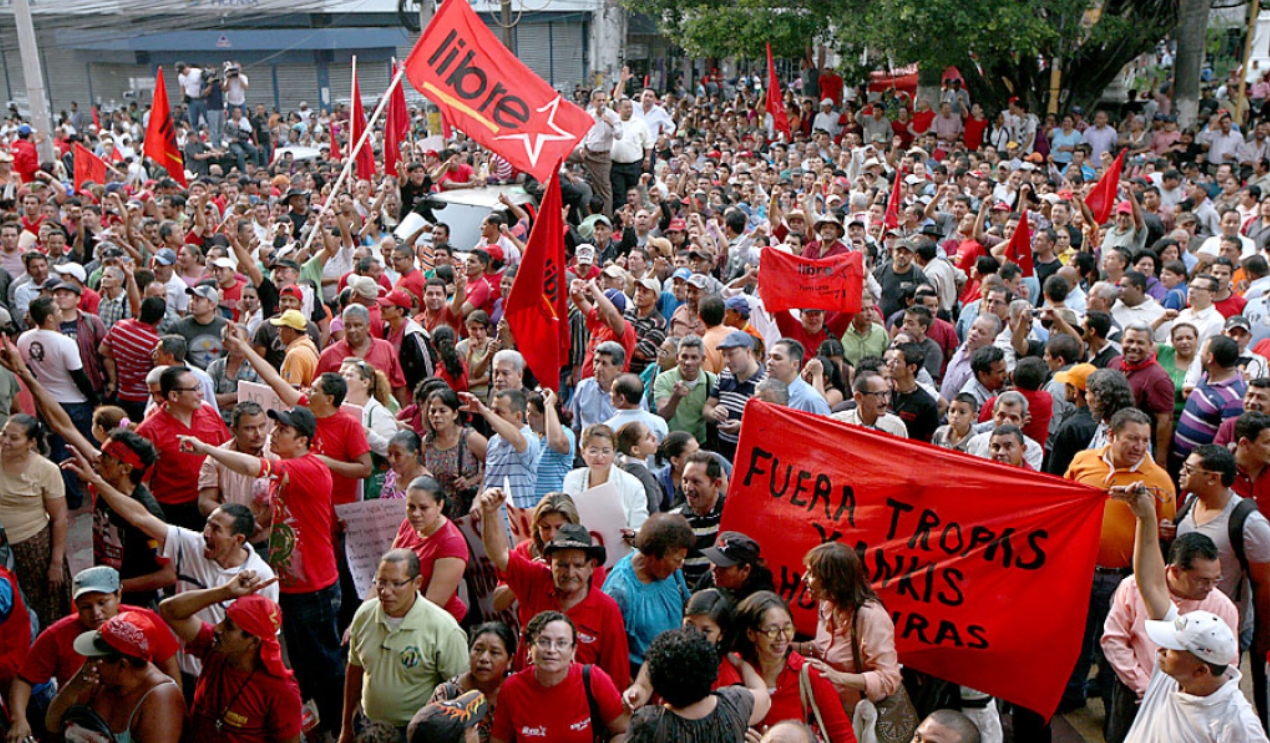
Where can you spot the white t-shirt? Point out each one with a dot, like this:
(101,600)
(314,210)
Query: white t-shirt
(194,572)
(52,357)
(191,81)
(1212,246)
(1170,714)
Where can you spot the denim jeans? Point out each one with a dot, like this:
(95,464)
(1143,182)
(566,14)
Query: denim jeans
(197,111)
(313,647)
(81,415)
(1100,595)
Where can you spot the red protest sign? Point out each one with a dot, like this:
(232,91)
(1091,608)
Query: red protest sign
(483,89)
(985,568)
(788,282)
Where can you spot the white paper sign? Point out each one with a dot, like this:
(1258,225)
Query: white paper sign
(370,528)
(261,394)
(600,510)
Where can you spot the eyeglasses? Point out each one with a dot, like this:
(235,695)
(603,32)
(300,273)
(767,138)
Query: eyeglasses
(546,643)
(882,393)
(774,633)
(394,584)
(1189,468)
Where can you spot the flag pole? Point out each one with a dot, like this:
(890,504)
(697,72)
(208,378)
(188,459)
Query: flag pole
(352,156)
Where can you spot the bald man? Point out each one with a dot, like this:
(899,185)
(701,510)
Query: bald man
(946,726)
(788,731)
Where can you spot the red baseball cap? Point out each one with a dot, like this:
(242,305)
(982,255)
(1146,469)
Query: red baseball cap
(128,633)
(292,291)
(397,298)
(1124,207)
(677,225)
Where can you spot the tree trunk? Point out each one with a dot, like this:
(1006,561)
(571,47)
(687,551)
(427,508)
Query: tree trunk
(1191,34)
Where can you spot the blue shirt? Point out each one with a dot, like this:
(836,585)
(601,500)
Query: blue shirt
(503,461)
(804,397)
(553,466)
(1065,140)
(590,405)
(648,609)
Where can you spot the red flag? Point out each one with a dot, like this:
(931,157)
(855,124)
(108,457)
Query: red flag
(1102,198)
(115,155)
(892,218)
(535,308)
(483,89)
(787,281)
(1019,251)
(96,123)
(396,126)
(357,125)
(446,130)
(88,167)
(776,107)
(986,588)
(160,145)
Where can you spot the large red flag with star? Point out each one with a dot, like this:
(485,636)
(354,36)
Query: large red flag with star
(160,144)
(483,89)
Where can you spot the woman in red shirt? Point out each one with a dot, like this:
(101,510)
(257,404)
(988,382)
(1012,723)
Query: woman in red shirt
(976,125)
(765,630)
(451,369)
(440,545)
(548,700)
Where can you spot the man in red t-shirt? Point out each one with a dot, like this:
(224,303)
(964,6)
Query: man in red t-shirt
(301,550)
(357,342)
(230,285)
(245,692)
(562,583)
(437,310)
(174,478)
(97,593)
(604,320)
(409,277)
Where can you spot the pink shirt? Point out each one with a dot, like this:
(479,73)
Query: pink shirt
(1124,637)
(877,647)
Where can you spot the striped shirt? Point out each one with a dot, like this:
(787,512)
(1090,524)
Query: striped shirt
(131,343)
(706,529)
(733,394)
(1206,408)
(553,466)
(520,468)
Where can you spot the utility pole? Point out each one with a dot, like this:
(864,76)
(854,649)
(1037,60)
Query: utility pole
(425,14)
(509,40)
(1242,101)
(35,95)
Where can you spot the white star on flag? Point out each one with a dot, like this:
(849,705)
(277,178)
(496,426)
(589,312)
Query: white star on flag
(534,150)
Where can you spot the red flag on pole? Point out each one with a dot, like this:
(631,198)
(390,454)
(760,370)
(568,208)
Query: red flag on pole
(96,122)
(88,167)
(776,107)
(892,218)
(396,126)
(1019,251)
(357,125)
(1102,199)
(959,560)
(483,89)
(160,145)
(535,308)
(115,155)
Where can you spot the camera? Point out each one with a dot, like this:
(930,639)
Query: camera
(232,70)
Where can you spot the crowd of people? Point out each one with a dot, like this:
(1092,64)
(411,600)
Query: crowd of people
(1130,355)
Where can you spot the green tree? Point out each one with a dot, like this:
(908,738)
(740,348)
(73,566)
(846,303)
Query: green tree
(1003,48)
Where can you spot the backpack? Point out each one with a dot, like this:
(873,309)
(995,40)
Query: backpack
(1235,533)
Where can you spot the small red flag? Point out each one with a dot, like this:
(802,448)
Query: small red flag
(775,106)
(357,125)
(396,126)
(892,218)
(160,144)
(115,155)
(1102,199)
(485,90)
(535,308)
(1019,251)
(96,122)
(88,167)
(446,130)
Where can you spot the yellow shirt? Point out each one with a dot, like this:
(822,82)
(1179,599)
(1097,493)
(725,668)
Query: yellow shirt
(22,498)
(1094,467)
(403,665)
(300,364)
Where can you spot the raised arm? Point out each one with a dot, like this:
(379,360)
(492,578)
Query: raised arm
(509,432)
(288,394)
(492,532)
(179,610)
(131,510)
(1148,561)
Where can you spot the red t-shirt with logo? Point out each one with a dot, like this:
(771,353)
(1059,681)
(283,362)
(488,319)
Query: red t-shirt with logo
(53,653)
(529,711)
(251,705)
(301,550)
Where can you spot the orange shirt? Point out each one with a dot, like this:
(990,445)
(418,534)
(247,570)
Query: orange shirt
(1093,467)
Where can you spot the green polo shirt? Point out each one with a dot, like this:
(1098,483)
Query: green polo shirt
(688,416)
(403,665)
(857,346)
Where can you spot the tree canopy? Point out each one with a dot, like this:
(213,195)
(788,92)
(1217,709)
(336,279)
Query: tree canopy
(1013,43)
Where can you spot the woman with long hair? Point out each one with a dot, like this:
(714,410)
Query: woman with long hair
(673,456)
(490,654)
(855,637)
(452,368)
(557,441)
(477,351)
(453,453)
(636,445)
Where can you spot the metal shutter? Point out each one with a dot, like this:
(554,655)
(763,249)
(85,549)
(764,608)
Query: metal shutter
(297,83)
(261,85)
(567,54)
(533,47)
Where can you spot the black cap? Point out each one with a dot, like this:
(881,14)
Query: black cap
(301,419)
(732,548)
(447,721)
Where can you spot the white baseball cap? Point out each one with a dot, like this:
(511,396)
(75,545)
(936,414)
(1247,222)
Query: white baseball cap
(1200,633)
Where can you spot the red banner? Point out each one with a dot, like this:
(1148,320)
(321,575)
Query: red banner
(1102,197)
(160,145)
(535,308)
(483,89)
(88,167)
(775,106)
(891,219)
(984,568)
(790,282)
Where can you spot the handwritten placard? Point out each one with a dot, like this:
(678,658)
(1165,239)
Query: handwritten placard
(481,577)
(261,394)
(521,522)
(370,527)
(600,509)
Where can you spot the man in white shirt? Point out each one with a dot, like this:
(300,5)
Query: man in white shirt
(827,119)
(593,154)
(190,78)
(1202,314)
(236,84)
(1134,304)
(655,117)
(630,150)
(1229,230)
(1223,144)
(1193,695)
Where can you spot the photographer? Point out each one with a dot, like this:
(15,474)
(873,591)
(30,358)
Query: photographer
(240,144)
(236,85)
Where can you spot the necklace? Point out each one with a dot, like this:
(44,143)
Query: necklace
(220,719)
